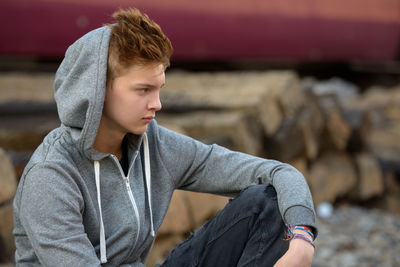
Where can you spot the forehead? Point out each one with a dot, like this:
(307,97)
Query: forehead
(152,73)
(146,70)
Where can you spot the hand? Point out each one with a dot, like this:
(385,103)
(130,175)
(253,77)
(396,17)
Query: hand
(299,254)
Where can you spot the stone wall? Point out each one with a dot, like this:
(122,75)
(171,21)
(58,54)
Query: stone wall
(344,141)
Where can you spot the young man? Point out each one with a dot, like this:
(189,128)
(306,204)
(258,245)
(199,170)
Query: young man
(98,187)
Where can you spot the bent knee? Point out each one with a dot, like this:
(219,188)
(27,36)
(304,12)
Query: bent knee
(258,197)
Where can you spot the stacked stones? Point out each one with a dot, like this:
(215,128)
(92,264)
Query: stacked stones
(345,143)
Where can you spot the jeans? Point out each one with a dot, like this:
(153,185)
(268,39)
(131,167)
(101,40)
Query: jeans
(249,231)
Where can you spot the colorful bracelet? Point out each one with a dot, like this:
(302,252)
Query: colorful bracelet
(304,229)
(300,236)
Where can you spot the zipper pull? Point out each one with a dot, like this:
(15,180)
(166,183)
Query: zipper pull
(126,179)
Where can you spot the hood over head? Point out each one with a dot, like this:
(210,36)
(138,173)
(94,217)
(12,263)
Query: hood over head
(80,85)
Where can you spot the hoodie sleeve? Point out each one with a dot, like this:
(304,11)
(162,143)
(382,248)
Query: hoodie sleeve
(198,167)
(50,211)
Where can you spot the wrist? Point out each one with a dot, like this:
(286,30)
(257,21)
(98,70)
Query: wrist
(305,234)
(303,230)
(302,233)
(304,238)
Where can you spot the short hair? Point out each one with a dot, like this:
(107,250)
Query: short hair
(135,39)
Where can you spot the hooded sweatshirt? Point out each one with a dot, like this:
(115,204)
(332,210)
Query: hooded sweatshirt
(75,206)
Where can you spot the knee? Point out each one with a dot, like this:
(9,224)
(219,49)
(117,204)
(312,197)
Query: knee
(260,199)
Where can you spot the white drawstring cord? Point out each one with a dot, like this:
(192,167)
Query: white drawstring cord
(148,180)
(103,252)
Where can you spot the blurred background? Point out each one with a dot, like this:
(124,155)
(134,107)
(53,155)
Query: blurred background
(315,83)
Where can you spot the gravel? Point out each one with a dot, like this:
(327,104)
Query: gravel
(353,236)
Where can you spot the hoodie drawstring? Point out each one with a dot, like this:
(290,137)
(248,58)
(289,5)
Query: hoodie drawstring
(103,251)
(148,180)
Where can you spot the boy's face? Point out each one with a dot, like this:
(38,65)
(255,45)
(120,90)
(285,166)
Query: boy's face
(133,98)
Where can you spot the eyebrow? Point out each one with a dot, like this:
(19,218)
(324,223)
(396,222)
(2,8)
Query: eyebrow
(147,85)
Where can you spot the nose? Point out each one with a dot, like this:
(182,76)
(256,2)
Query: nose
(155,102)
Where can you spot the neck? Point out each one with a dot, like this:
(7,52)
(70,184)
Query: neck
(108,141)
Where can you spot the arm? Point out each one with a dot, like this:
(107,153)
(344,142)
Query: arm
(49,210)
(214,169)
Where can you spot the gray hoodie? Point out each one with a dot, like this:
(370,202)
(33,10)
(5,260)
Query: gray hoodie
(75,206)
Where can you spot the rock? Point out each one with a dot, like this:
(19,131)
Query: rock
(329,96)
(300,164)
(331,176)
(24,132)
(189,210)
(311,123)
(370,177)
(384,143)
(229,129)
(341,89)
(204,206)
(8,182)
(26,87)
(287,143)
(162,247)
(390,203)
(6,238)
(383,108)
(178,219)
(392,182)
(266,96)
(337,130)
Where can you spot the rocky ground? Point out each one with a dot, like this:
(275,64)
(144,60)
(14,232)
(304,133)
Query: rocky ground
(353,236)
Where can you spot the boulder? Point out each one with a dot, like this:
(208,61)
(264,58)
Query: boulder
(162,247)
(6,237)
(189,210)
(230,129)
(331,176)
(265,96)
(370,177)
(8,182)
(26,87)
(204,206)
(383,108)
(178,219)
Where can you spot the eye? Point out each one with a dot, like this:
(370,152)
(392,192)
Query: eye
(143,90)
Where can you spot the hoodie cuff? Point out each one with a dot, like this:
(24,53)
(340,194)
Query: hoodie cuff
(299,215)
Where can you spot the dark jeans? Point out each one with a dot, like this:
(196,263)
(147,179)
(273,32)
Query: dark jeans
(249,231)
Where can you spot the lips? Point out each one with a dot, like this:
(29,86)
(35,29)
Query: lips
(148,119)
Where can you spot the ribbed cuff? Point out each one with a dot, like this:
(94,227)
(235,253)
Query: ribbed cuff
(299,215)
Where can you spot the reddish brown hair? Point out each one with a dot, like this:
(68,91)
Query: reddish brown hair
(136,39)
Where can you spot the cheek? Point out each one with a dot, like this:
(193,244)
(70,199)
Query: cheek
(125,108)
(114,105)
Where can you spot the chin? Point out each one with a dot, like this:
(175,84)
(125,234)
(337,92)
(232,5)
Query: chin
(139,131)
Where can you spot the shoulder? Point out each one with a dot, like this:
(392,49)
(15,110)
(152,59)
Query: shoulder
(47,187)
(49,175)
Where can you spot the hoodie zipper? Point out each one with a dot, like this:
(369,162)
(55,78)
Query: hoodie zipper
(129,190)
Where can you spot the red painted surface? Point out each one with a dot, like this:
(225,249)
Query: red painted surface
(203,30)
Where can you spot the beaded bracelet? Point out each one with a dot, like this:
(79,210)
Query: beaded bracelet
(300,236)
(303,228)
